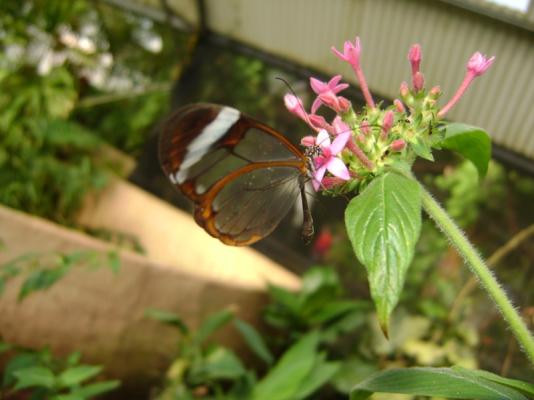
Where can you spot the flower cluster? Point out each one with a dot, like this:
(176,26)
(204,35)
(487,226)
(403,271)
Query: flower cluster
(353,148)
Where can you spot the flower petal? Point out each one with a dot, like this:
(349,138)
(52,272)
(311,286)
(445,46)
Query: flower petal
(317,85)
(338,168)
(323,138)
(340,142)
(317,177)
(316,104)
(334,81)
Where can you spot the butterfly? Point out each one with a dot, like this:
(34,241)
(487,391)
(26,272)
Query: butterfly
(242,175)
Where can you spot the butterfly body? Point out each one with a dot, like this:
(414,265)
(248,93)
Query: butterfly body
(242,175)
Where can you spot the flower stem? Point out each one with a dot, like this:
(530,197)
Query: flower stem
(481,270)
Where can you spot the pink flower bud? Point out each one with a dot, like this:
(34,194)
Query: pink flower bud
(418,81)
(308,141)
(364,127)
(404,90)
(478,63)
(397,145)
(318,122)
(435,92)
(414,56)
(387,123)
(295,106)
(399,106)
(337,103)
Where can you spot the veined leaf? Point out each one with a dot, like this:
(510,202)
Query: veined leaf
(444,382)
(383,224)
(471,142)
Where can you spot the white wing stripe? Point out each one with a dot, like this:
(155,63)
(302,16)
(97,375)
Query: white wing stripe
(211,133)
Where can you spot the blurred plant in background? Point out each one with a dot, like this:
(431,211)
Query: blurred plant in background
(58,60)
(40,376)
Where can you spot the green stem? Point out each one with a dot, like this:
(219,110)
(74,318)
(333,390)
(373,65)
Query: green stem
(481,270)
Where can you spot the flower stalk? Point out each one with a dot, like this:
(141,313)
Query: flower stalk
(481,271)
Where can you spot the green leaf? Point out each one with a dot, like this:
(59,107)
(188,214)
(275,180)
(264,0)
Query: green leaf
(383,224)
(76,375)
(212,324)
(41,280)
(287,376)
(34,377)
(513,383)
(167,318)
(114,261)
(422,149)
(444,382)
(95,389)
(254,340)
(321,373)
(471,142)
(220,363)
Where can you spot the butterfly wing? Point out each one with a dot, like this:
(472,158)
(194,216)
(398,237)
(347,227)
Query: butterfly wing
(242,175)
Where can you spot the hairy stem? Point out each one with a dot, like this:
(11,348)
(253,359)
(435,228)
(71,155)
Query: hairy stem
(482,272)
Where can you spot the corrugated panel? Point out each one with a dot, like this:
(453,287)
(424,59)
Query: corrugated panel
(304,30)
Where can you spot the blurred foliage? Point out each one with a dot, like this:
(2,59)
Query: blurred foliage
(37,375)
(295,356)
(42,271)
(62,66)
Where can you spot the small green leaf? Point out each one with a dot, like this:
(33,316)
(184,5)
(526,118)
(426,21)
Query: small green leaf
(95,389)
(34,377)
(114,261)
(444,382)
(41,280)
(471,142)
(422,149)
(167,318)
(321,373)
(285,379)
(383,224)
(212,324)
(76,375)
(220,363)
(254,340)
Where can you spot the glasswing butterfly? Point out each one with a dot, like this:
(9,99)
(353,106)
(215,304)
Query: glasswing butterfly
(242,175)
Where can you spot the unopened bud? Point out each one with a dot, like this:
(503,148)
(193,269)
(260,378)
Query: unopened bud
(364,127)
(399,106)
(418,81)
(397,145)
(387,123)
(404,90)
(435,92)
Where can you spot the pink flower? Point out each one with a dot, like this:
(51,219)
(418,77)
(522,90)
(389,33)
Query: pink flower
(351,54)
(478,63)
(339,126)
(326,90)
(476,66)
(414,56)
(328,160)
